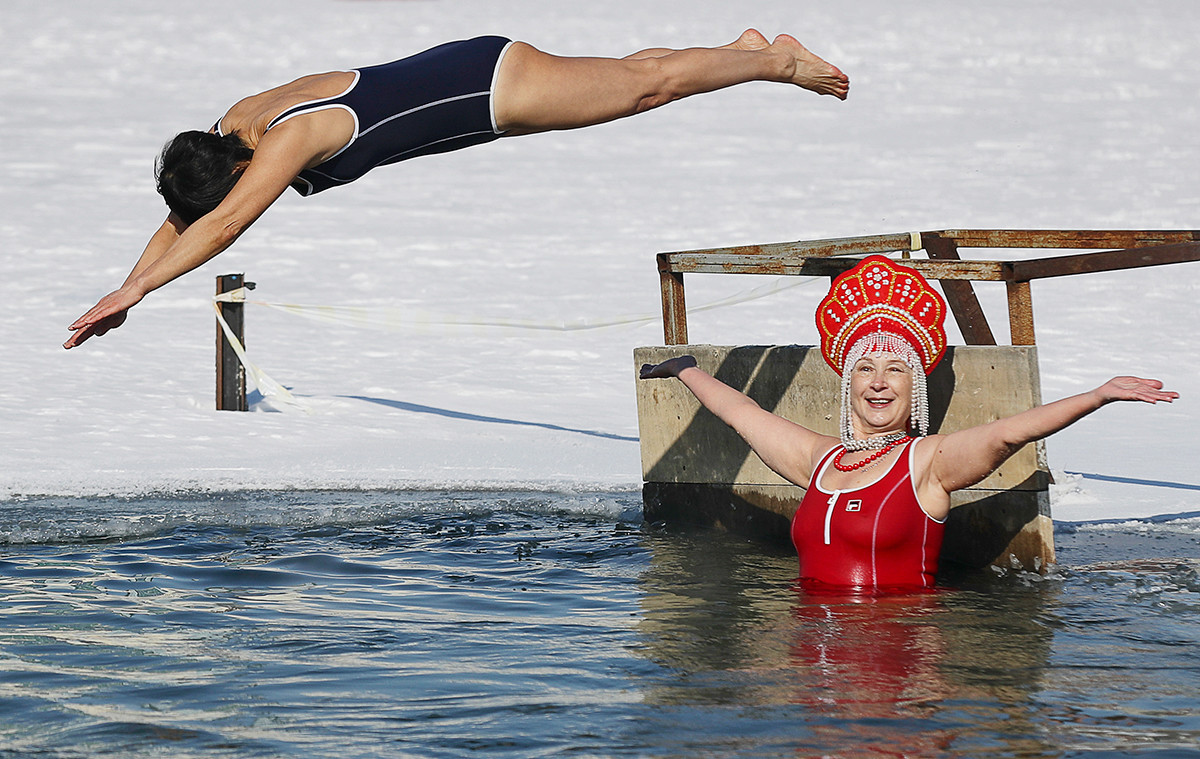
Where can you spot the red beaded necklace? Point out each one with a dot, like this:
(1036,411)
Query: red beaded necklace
(837,460)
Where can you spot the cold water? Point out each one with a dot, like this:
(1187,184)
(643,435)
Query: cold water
(539,624)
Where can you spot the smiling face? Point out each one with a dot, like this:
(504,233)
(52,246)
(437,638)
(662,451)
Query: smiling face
(881,392)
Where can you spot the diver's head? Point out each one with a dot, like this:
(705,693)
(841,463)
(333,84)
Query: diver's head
(196,170)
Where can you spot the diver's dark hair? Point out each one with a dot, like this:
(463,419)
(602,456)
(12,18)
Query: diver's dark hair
(196,170)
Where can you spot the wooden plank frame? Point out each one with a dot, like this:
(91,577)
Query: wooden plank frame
(1114,250)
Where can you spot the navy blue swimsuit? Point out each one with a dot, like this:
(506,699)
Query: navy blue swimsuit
(432,102)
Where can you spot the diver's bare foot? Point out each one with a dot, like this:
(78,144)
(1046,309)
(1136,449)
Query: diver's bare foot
(810,71)
(751,39)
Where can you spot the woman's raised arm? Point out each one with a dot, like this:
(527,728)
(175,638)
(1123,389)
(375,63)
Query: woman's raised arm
(963,458)
(789,449)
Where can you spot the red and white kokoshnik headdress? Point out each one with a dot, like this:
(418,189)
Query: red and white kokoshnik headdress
(880,306)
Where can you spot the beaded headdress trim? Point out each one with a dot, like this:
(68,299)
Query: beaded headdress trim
(881,306)
(884,342)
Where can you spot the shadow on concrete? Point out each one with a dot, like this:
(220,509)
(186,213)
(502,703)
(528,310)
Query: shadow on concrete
(722,462)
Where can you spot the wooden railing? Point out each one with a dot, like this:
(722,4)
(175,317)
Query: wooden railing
(1113,250)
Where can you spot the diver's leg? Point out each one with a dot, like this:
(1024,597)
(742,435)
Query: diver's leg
(751,39)
(538,92)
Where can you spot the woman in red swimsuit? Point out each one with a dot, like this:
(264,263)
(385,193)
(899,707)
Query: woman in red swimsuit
(877,498)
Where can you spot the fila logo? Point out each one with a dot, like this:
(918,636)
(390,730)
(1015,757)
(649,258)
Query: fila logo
(854,506)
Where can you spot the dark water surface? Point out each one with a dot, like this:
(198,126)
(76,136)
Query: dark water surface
(541,624)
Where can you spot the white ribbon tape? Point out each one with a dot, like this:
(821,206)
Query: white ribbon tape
(270,389)
(407,320)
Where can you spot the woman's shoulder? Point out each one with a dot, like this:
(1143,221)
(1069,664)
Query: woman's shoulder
(924,449)
(822,446)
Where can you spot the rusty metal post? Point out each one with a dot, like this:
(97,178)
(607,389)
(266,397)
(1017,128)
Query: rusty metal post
(231,375)
(1020,313)
(960,294)
(673,306)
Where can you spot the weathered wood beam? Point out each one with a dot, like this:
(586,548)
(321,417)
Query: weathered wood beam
(1110,260)
(960,295)
(674,307)
(1052,238)
(729,263)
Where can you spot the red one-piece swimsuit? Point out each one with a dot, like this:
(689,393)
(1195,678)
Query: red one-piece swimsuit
(876,536)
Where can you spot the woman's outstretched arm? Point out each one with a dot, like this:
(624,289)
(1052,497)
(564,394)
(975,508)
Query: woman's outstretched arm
(177,249)
(159,243)
(963,458)
(789,449)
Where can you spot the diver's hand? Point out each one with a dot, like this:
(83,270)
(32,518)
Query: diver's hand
(109,313)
